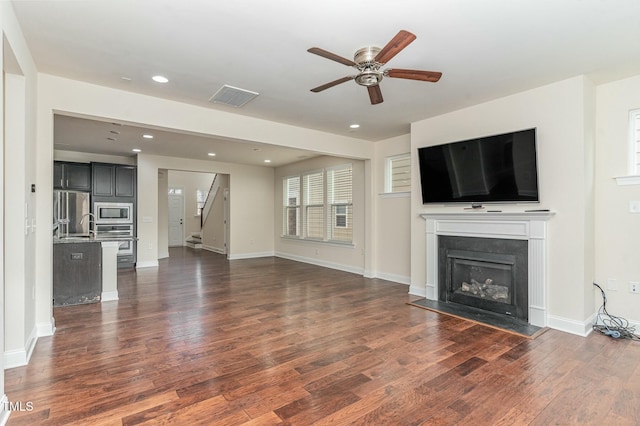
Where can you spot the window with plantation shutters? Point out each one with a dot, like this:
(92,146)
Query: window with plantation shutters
(318,205)
(313,190)
(398,174)
(339,204)
(291,208)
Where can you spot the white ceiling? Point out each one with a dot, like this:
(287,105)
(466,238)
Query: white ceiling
(485,49)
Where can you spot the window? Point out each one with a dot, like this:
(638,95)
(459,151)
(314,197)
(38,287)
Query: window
(339,199)
(634,136)
(291,198)
(326,210)
(201,197)
(398,174)
(313,190)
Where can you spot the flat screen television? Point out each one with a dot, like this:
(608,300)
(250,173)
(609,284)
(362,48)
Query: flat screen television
(492,169)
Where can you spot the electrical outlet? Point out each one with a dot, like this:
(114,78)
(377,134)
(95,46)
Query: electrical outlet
(634,287)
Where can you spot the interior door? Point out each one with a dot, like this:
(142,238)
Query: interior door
(176,220)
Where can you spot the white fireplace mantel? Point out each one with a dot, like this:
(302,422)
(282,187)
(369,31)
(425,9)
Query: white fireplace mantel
(528,225)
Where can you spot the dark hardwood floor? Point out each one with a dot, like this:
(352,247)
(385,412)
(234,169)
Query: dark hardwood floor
(201,340)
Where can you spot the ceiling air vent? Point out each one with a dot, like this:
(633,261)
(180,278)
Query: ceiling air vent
(232,96)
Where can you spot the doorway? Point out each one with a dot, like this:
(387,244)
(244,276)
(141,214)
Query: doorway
(176,217)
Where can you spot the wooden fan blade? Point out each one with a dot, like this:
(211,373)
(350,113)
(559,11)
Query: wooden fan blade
(332,56)
(432,76)
(331,84)
(375,94)
(399,42)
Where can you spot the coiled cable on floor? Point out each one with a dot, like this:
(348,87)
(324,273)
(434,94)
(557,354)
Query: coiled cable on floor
(610,325)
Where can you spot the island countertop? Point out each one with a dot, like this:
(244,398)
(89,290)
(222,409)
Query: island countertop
(91,239)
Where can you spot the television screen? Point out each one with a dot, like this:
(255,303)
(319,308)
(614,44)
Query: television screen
(500,168)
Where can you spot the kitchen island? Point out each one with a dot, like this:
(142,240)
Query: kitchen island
(85,269)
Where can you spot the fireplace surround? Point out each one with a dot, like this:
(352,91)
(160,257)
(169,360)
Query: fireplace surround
(528,226)
(485,273)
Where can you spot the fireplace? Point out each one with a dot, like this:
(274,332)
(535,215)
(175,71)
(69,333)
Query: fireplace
(484,273)
(528,227)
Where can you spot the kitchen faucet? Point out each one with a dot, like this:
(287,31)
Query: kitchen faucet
(92,220)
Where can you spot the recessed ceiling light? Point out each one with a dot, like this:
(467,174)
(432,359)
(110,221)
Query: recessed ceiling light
(115,132)
(125,78)
(211,154)
(147,136)
(136,150)
(354,126)
(267,161)
(160,79)
(112,139)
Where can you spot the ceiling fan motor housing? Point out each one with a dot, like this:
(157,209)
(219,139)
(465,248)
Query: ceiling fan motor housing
(370,73)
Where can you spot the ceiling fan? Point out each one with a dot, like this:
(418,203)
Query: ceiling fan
(368,62)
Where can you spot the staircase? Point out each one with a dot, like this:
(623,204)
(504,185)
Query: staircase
(208,202)
(195,240)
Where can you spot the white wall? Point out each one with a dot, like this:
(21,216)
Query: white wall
(251,228)
(163,213)
(86,157)
(563,115)
(18,132)
(60,95)
(617,230)
(190,182)
(339,256)
(214,227)
(392,230)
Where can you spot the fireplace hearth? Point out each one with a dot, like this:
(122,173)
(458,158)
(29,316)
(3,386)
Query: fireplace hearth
(484,273)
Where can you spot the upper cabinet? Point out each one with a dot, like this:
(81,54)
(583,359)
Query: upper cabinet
(72,176)
(113,180)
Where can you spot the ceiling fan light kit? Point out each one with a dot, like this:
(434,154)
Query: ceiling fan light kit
(368,62)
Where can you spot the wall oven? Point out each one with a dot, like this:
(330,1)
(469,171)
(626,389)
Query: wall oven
(117,232)
(112,213)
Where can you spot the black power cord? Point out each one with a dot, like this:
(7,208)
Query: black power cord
(610,325)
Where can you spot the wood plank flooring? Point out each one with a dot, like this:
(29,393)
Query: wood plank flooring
(268,341)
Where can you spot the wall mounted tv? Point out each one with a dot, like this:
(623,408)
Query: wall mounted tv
(492,169)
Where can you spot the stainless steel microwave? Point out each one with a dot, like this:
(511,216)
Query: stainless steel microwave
(106,212)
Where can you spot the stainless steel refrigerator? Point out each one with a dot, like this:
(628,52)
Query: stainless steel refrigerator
(71,213)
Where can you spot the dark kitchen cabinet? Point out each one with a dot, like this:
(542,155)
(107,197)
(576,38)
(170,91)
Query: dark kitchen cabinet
(72,176)
(125,181)
(113,180)
(77,273)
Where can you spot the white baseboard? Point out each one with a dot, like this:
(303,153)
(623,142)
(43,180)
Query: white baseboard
(147,264)
(580,328)
(4,412)
(219,250)
(417,290)
(108,296)
(21,356)
(319,262)
(400,279)
(46,328)
(250,255)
